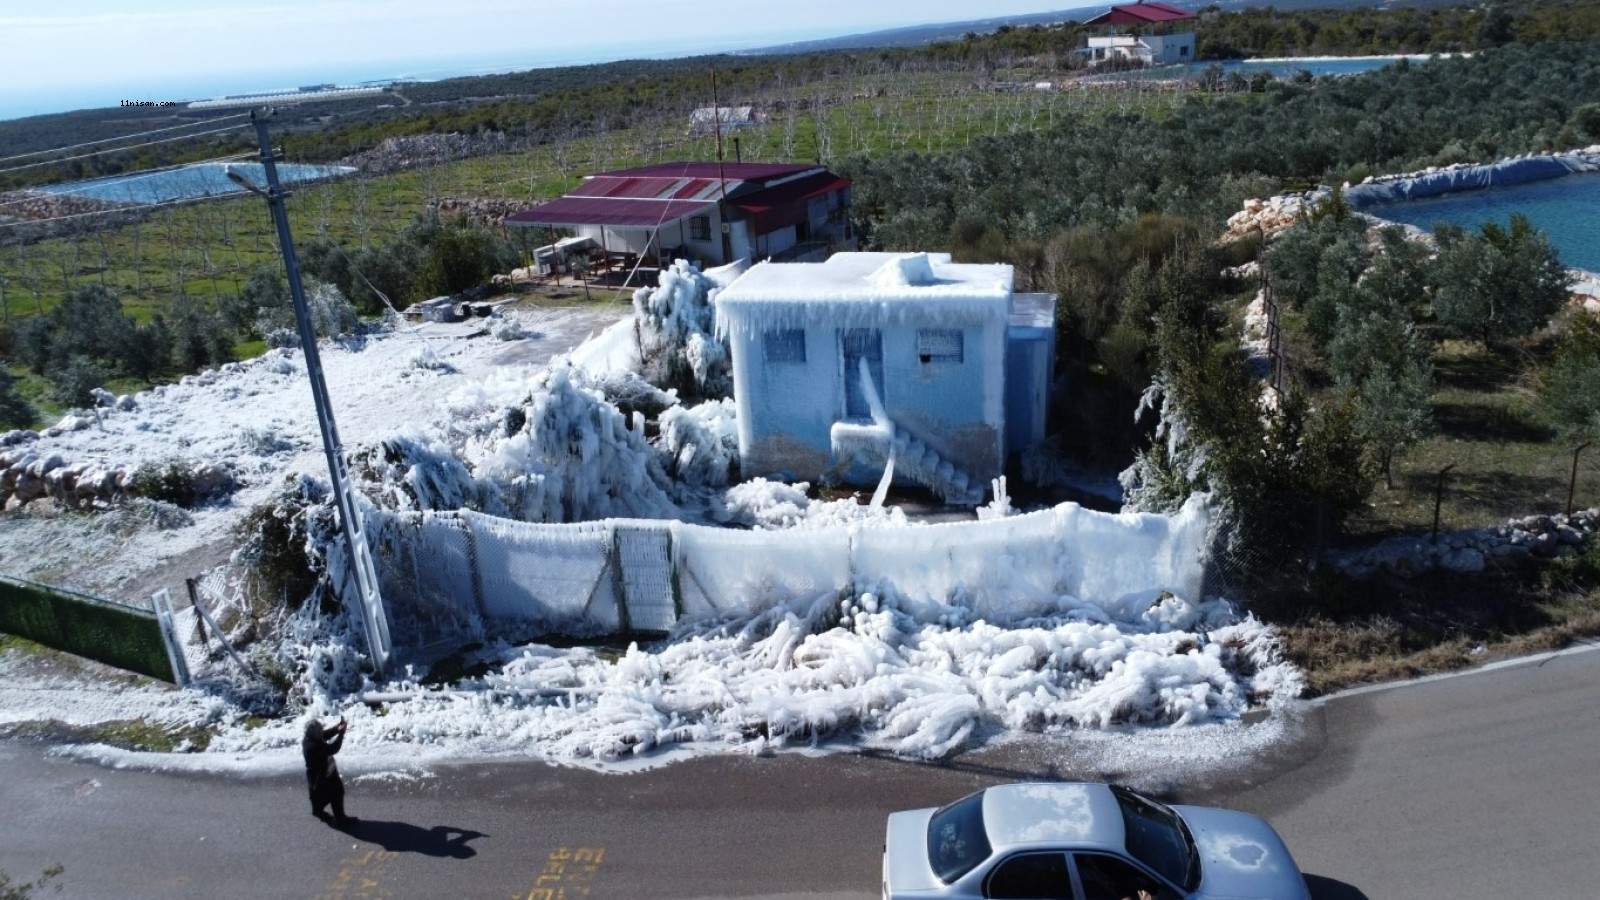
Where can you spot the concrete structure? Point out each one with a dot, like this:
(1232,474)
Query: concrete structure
(869,360)
(1152,33)
(712,213)
(706,119)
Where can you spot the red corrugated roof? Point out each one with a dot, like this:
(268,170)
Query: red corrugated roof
(651,195)
(619,211)
(696,187)
(1140,14)
(784,205)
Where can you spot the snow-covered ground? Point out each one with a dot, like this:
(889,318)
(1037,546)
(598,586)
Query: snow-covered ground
(256,419)
(1166,679)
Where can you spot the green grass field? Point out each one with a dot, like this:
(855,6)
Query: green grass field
(1508,462)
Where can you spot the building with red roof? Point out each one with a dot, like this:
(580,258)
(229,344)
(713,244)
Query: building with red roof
(714,213)
(1152,33)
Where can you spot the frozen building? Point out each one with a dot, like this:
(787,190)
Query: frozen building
(871,360)
(714,213)
(1152,33)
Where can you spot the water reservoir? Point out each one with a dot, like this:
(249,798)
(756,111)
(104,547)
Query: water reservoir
(1567,209)
(1280,68)
(189,182)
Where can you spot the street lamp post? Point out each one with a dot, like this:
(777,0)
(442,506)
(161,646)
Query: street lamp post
(363,578)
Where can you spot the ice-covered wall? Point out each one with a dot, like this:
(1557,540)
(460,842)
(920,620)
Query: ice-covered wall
(467,574)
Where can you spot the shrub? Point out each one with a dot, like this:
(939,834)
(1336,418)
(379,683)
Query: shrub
(15,412)
(76,381)
(169,482)
(460,257)
(279,572)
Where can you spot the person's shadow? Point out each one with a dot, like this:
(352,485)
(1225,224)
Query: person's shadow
(403,837)
(1328,889)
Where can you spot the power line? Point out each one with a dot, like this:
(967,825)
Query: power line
(181,137)
(123,137)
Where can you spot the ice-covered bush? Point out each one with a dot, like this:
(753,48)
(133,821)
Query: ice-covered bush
(702,442)
(264,441)
(507,328)
(426,358)
(331,316)
(677,331)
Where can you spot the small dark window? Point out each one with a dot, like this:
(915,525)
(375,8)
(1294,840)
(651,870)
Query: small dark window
(1031,876)
(1183,51)
(1110,878)
(786,346)
(700,228)
(940,345)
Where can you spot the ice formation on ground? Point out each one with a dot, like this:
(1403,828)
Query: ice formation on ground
(440,421)
(863,671)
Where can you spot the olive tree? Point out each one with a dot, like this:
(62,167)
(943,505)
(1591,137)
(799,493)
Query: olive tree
(1501,283)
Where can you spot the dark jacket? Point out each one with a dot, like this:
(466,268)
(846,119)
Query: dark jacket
(322,774)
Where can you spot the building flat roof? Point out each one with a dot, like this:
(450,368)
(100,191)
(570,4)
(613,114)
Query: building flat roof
(865,290)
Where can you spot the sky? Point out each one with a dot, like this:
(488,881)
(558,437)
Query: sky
(57,56)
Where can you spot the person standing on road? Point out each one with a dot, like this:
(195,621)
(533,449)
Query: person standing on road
(322,775)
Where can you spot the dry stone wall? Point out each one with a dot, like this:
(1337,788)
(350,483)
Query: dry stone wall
(1473,549)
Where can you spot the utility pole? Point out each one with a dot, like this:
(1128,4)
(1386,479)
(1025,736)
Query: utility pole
(362,587)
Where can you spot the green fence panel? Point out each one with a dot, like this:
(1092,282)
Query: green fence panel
(85,626)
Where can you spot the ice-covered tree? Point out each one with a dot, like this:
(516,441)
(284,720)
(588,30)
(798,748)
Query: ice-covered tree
(677,335)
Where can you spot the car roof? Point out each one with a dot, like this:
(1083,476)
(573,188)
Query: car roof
(1046,813)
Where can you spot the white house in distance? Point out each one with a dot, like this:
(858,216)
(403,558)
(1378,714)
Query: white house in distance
(1152,33)
(708,119)
(844,367)
(711,212)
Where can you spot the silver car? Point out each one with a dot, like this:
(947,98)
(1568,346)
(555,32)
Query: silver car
(1084,842)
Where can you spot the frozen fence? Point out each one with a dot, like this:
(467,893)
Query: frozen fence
(465,575)
(728,572)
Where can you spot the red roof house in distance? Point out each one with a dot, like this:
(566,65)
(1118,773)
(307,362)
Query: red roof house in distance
(714,213)
(1152,33)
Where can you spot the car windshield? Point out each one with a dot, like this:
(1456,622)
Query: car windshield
(1158,838)
(956,839)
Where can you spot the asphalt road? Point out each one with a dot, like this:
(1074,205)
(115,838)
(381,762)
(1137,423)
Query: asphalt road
(1475,786)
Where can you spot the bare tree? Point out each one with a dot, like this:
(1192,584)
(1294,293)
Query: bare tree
(138,254)
(27,272)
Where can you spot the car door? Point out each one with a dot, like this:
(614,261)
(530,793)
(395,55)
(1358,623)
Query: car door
(1107,877)
(1030,876)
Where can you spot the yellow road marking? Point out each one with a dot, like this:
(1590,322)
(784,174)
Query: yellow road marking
(359,877)
(566,875)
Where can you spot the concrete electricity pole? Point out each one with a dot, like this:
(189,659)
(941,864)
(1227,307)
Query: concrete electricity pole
(362,587)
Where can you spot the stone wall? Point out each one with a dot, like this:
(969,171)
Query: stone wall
(1473,549)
